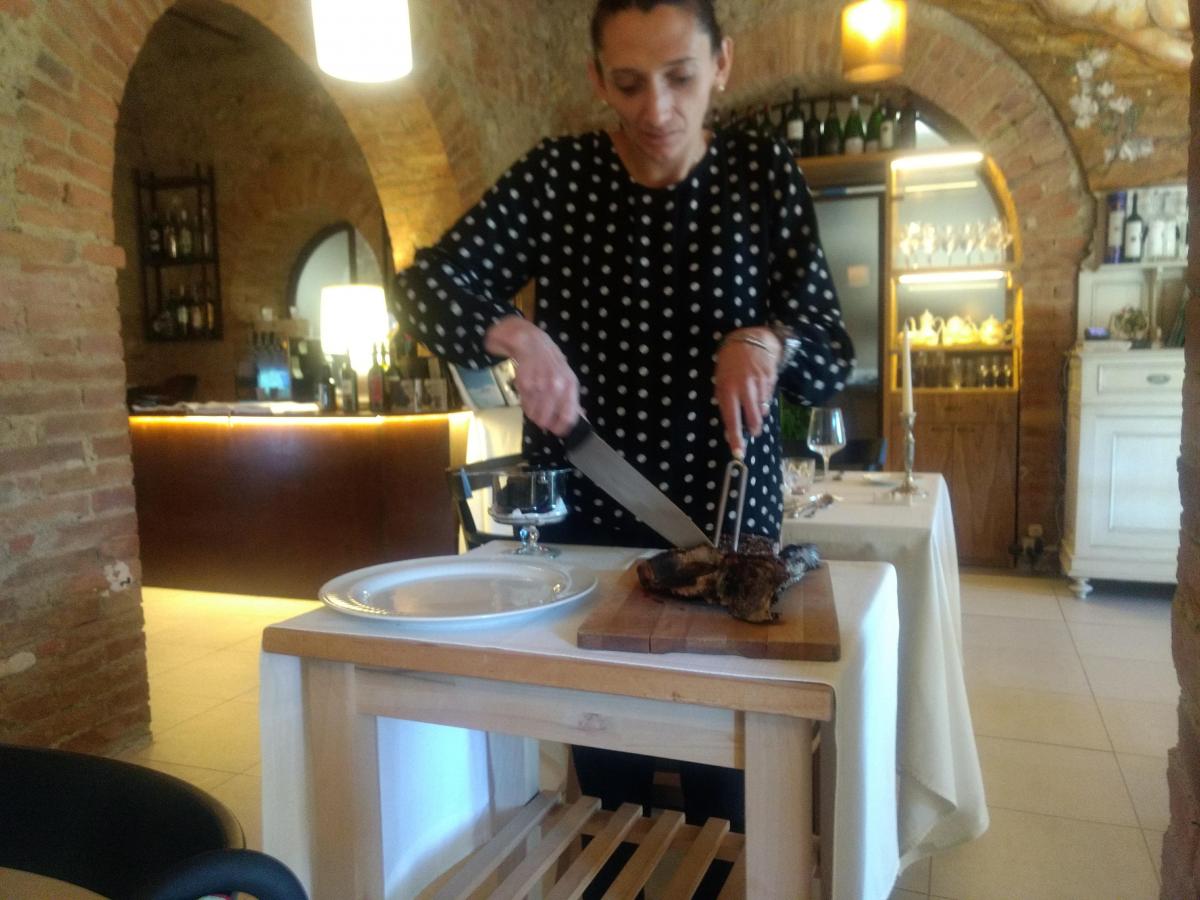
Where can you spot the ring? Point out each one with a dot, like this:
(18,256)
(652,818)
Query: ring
(766,406)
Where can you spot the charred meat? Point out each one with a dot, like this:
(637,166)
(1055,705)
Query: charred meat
(747,583)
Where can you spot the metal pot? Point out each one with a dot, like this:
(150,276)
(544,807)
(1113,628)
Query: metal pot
(523,495)
(529,495)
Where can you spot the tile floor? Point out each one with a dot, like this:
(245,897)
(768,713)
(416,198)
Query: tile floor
(1073,704)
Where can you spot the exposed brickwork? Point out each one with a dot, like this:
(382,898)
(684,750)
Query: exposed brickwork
(71,643)
(285,165)
(493,76)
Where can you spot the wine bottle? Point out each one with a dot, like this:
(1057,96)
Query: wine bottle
(765,126)
(812,131)
(887,128)
(375,382)
(186,242)
(326,389)
(196,326)
(154,245)
(170,238)
(831,132)
(1132,250)
(204,226)
(397,397)
(1115,241)
(874,122)
(854,136)
(349,381)
(182,316)
(210,312)
(795,125)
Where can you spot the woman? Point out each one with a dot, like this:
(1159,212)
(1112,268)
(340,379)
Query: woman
(670,264)
(679,278)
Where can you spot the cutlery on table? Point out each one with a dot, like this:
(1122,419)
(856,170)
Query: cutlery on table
(820,503)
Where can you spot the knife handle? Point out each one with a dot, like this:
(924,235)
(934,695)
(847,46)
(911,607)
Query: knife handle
(578,433)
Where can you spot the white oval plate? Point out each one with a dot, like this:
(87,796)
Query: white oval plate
(456,588)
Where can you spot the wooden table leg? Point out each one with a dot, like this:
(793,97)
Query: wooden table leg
(778,759)
(347,851)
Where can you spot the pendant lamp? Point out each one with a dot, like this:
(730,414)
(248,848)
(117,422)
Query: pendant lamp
(873,37)
(363,40)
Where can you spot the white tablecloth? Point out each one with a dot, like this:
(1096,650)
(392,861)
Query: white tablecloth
(434,791)
(941,801)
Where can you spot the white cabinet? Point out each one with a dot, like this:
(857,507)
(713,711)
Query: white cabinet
(1123,443)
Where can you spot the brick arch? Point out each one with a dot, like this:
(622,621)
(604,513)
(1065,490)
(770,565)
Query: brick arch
(68,530)
(966,76)
(409,132)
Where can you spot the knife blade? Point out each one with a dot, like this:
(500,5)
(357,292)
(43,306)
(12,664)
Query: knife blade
(588,452)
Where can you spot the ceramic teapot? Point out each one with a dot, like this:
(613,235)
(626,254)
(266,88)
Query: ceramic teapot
(994,332)
(960,330)
(925,332)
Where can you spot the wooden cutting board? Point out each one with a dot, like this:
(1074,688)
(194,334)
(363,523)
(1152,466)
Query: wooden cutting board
(631,619)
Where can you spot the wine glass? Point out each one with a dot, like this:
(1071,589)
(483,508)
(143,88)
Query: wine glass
(797,481)
(929,238)
(949,243)
(826,433)
(970,237)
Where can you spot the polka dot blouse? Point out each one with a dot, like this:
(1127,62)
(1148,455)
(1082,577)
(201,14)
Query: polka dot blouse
(638,286)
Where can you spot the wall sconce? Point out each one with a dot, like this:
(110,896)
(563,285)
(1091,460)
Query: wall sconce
(873,38)
(353,319)
(363,40)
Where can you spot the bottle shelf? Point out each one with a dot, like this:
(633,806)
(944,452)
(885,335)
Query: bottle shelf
(962,348)
(188,339)
(966,270)
(168,263)
(180,286)
(1147,264)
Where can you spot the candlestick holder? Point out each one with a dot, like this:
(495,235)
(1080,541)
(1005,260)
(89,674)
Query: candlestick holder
(908,487)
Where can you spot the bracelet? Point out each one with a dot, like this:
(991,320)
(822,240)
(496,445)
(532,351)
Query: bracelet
(788,341)
(752,341)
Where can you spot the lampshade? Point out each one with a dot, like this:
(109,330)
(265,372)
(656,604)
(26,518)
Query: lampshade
(353,319)
(363,40)
(873,36)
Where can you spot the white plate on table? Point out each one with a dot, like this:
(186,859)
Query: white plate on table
(447,589)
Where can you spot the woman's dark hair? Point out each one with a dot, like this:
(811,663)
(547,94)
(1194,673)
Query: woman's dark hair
(703,10)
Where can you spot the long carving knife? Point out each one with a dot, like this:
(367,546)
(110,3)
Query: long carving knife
(625,484)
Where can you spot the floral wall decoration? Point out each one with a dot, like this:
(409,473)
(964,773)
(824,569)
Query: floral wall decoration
(1097,103)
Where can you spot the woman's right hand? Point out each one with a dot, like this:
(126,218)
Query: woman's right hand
(549,389)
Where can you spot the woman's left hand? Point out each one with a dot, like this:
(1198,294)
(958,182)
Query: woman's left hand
(745,382)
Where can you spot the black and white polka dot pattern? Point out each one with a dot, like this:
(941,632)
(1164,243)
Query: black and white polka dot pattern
(638,286)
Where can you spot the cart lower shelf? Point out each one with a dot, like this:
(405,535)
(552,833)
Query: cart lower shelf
(542,849)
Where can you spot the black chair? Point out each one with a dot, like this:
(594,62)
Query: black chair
(125,831)
(861,455)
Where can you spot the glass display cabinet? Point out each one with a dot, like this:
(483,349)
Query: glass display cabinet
(953,256)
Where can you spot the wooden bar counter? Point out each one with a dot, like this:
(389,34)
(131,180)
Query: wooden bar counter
(279,505)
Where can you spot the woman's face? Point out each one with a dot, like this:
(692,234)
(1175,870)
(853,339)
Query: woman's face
(657,71)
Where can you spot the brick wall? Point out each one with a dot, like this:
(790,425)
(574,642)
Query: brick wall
(1181,845)
(492,76)
(72,666)
(286,165)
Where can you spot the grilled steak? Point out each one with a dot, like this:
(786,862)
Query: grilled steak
(747,583)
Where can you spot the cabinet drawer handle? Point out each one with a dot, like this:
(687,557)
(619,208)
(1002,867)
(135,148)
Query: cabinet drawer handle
(1158,379)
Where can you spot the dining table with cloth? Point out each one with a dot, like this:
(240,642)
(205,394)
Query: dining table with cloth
(391,750)
(941,797)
